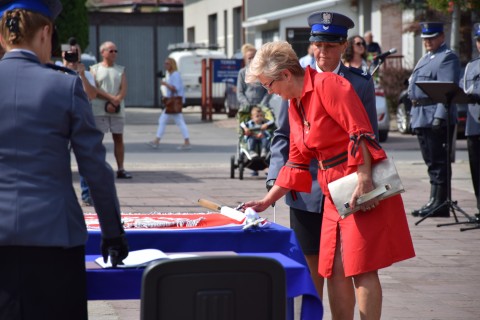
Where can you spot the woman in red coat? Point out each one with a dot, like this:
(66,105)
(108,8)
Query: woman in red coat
(329,123)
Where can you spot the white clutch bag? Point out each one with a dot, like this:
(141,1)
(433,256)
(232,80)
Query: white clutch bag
(385,179)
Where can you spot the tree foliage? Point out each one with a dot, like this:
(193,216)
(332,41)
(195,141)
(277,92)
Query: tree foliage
(73,22)
(446,5)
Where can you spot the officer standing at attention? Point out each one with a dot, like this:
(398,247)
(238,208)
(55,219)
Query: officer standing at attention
(42,228)
(471,85)
(306,209)
(428,119)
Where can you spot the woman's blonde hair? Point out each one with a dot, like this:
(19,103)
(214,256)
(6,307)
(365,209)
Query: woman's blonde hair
(19,26)
(247,47)
(271,59)
(173,63)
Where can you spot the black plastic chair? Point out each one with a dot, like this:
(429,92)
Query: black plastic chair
(214,288)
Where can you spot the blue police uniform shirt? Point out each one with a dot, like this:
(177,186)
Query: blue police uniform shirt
(441,65)
(471,84)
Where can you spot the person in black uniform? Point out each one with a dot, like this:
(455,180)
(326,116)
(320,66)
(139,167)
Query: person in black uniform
(471,85)
(428,118)
(306,209)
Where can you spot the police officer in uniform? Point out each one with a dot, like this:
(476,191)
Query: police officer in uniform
(42,228)
(428,118)
(329,38)
(471,85)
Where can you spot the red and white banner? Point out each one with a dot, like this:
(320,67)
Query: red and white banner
(174,221)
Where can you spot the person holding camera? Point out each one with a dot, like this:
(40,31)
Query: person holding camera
(42,228)
(109,106)
(71,54)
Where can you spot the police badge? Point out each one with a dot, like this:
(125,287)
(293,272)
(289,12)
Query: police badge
(327,17)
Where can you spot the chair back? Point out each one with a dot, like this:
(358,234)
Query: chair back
(214,288)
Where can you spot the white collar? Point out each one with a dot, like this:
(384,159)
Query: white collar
(334,71)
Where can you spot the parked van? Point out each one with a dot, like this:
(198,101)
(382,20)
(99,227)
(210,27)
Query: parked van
(189,61)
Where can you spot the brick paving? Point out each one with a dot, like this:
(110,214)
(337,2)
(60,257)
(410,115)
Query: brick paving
(441,282)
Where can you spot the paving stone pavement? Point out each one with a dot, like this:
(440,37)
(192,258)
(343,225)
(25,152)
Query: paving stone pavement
(441,282)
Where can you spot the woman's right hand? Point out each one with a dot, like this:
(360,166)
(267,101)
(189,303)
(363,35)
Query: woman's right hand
(275,193)
(257,205)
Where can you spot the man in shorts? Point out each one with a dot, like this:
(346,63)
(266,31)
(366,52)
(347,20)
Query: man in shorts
(109,107)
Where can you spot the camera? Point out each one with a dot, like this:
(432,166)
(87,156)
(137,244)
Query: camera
(71,56)
(70,51)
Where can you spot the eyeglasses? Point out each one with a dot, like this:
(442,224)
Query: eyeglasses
(268,87)
(360,43)
(112,51)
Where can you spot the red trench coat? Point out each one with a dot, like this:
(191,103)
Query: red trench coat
(332,120)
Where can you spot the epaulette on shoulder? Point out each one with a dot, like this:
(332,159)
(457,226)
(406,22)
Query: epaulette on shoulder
(61,69)
(360,72)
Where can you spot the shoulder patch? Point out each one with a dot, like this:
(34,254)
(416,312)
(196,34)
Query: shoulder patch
(61,69)
(360,73)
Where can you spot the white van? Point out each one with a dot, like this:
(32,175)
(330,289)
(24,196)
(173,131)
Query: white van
(189,63)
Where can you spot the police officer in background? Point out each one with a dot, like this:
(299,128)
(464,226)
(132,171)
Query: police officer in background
(471,85)
(306,209)
(428,118)
(42,228)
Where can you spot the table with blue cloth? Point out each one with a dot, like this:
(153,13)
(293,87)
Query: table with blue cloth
(275,241)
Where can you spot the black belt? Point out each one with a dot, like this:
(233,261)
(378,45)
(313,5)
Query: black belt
(422,102)
(333,161)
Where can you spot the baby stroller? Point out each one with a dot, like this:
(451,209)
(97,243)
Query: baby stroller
(245,159)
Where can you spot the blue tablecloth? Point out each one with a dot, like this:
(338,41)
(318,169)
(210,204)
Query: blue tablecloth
(275,239)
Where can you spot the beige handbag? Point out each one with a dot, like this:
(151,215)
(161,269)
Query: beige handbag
(385,179)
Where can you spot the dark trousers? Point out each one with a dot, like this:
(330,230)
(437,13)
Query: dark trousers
(434,152)
(473,144)
(42,283)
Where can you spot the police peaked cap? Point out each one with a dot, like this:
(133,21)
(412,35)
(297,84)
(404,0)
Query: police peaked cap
(476,31)
(329,26)
(49,8)
(431,29)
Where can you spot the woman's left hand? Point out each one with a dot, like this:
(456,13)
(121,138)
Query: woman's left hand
(364,186)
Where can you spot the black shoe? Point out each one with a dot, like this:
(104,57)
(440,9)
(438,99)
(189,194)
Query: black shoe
(442,211)
(418,212)
(122,174)
(433,190)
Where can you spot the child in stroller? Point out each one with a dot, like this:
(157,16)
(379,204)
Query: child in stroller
(257,124)
(256,132)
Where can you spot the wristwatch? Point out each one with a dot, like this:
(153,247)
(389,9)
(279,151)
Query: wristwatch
(270,183)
